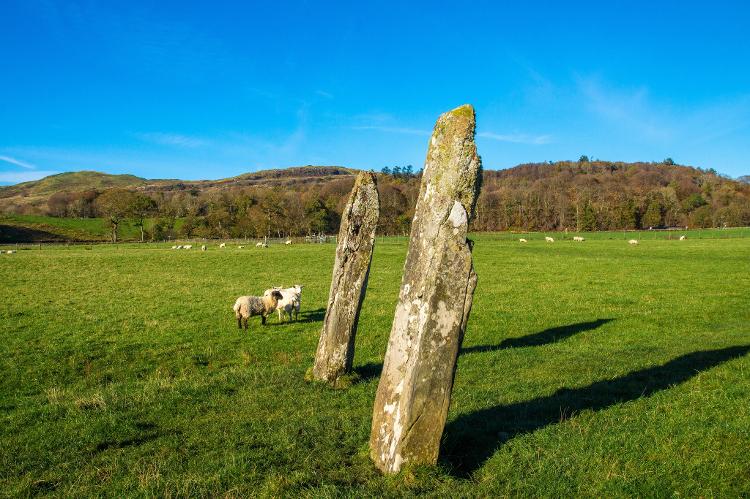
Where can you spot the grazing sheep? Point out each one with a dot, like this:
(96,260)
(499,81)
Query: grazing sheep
(261,245)
(174,247)
(240,247)
(249,306)
(223,245)
(549,239)
(10,252)
(288,241)
(633,241)
(179,247)
(203,247)
(291,301)
(578,238)
(188,246)
(682,238)
(522,240)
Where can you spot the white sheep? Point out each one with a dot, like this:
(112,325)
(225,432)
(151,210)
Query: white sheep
(288,241)
(261,245)
(179,247)
(174,247)
(633,241)
(549,239)
(682,238)
(223,245)
(578,238)
(203,247)
(291,300)
(522,240)
(188,246)
(10,252)
(240,247)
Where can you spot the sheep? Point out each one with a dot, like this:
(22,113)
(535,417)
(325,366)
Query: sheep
(633,241)
(261,245)
(249,306)
(291,302)
(240,247)
(203,247)
(549,239)
(578,238)
(682,238)
(179,247)
(174,247)
(188,246)
(522,240)
(288,241)
(223,245)
(10,252)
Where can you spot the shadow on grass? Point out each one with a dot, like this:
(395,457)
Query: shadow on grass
(147,433)
(306,316)
(16,234)
(367,372)
(372,370)
(313,315)
(545,337)
(472,438)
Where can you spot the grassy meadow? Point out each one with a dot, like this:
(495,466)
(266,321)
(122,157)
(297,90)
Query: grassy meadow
(595,369)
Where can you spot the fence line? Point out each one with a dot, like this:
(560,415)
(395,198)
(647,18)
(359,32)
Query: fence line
(646,234)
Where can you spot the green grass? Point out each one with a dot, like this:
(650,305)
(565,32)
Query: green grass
(45,228)
(594,369)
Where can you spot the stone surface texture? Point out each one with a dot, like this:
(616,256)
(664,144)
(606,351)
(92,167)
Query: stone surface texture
(413,395)
(356,242)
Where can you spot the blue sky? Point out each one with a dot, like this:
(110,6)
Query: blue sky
(214,89)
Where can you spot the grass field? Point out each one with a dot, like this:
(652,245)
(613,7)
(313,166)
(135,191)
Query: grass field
(594,369)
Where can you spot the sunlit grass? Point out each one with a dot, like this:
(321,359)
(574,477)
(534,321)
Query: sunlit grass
(592,368)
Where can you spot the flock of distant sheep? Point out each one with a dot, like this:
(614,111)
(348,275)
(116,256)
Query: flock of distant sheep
(580,239)
(262,244)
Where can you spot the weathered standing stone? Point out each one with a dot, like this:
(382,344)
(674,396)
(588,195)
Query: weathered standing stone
(353,255)
(414,393)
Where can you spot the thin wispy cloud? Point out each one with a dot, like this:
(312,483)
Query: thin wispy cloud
(17,162)
(325,94)
(517,138)
(390,129)
(662,122)
(630,109)
(24,176)
(172,139)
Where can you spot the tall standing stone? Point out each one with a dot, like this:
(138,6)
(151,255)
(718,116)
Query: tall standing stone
(353,256)
(414,393)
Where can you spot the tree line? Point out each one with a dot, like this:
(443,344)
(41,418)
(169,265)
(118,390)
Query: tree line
(579,195)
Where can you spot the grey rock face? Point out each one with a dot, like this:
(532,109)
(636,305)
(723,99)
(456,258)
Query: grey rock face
(356,242)
(438,284)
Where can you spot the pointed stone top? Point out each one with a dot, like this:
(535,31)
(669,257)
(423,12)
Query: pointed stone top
(467,110)
(452,163)
(364,178)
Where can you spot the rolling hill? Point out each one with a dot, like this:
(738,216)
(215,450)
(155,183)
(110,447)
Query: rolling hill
(31,197)
(565,195)
(71,182)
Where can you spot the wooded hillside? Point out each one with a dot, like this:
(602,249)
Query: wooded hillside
(582,195)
